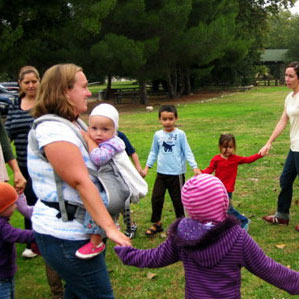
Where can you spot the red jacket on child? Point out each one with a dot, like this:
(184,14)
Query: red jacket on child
(226,169)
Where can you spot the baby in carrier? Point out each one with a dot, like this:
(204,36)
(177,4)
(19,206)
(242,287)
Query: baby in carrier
(120,180)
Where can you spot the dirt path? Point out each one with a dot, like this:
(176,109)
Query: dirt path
(157,101)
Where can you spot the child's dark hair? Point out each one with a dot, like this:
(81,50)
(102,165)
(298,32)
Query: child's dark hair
(295,66)
(168,108)
(225,139)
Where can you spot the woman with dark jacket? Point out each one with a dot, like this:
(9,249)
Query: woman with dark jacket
(8,157)
(18,123)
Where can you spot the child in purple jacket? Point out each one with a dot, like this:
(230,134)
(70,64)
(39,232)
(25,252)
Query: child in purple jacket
(9,235)
(212,247)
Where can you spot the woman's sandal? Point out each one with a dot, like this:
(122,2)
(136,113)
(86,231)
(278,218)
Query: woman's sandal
(154,229)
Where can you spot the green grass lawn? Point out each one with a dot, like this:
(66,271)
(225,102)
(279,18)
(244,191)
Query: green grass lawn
(251,117)
(124,84)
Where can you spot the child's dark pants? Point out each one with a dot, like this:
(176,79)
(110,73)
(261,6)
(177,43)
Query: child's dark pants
(173,184)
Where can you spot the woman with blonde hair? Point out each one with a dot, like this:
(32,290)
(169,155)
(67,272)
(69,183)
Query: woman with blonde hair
(64,92)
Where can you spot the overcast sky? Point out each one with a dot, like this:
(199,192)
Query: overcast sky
(295,9)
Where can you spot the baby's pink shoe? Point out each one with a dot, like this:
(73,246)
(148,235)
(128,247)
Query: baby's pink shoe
(89,250)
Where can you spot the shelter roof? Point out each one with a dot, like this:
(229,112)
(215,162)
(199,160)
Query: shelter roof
(274,55)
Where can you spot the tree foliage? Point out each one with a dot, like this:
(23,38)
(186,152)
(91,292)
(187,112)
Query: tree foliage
(238,66)
(283,33)
(278,31)
(45,33)
(293,43)
(172,40)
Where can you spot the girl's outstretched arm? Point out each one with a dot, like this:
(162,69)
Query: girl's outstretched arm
(249,159)
(211,168)
(164,255)
(267,269)
(23,207)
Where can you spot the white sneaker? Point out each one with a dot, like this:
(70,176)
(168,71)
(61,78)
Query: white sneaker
(28,253)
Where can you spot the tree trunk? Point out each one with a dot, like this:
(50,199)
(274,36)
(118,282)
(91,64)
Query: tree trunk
(108,88)
(143,92)
(187,80)
(172,82)
(181,83)
(170,87)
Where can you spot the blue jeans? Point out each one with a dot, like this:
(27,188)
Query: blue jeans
(84,278)
(287,178)
(90,227)
(232,211)
(7,288)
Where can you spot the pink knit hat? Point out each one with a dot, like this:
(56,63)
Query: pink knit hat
(205,198)
(8,196)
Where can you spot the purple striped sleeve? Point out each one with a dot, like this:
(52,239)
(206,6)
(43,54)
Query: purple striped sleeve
(164,255)
(269,270)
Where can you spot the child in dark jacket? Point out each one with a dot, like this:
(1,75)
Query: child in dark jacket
(9,235)
(212,247)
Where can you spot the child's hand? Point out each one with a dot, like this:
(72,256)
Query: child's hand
(265,149)
(90,143)
(23,207)
(145,171)
(19,182)
(141,172)
(85,135)
(196,171)
(118,237)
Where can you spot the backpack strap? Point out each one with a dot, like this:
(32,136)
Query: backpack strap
(34,146)
(54,117)
(61,201)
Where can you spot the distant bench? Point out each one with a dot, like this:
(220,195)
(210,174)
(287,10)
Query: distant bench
(120,95)
(241,88)
(133,94)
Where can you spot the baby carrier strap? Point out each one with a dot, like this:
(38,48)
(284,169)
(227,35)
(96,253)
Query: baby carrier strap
(54,117)
(117,190)
(65,214)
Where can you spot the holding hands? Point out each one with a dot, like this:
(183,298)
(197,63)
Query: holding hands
(196,171)
(19,182)
(265,149)
(118,237)
(145,171)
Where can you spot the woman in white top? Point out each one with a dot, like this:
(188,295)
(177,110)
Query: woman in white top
(64,92)
(291,167)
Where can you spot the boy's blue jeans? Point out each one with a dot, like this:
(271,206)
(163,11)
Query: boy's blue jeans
(232,211)
(84,279)
(7,288)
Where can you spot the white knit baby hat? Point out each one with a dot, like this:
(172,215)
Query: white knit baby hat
(108,111)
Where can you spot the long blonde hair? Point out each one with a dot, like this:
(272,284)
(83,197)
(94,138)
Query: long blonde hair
(51,96)
(28,69)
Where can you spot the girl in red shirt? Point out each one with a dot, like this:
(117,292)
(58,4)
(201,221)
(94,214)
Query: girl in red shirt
(225,166)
